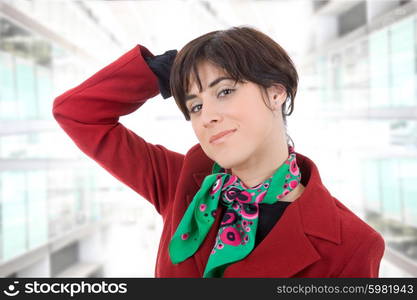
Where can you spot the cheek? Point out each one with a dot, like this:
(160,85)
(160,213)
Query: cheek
(255,127)
(249,117)
(198,132)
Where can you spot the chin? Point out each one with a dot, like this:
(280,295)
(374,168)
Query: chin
(227,163)
(224,158)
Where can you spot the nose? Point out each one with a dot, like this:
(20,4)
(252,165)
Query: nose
(210,115)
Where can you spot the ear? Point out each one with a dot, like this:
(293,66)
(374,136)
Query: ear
(276,95)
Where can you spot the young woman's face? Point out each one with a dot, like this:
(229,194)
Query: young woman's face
(236,111)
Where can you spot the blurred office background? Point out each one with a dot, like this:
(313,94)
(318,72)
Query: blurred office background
(355,116)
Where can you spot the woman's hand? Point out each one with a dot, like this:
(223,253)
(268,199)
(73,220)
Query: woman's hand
(161,67)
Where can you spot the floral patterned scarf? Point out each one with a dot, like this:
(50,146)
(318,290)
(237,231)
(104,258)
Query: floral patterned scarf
(236,236)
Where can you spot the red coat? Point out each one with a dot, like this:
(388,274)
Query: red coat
(317,236)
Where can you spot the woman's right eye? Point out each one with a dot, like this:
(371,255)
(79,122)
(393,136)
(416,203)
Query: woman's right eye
(192,110)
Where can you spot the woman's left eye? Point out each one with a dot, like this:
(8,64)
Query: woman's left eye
(229,91)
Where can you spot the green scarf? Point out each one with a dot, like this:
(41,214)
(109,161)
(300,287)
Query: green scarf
(236,236)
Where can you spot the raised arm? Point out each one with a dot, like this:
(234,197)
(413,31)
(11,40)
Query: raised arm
(89,114)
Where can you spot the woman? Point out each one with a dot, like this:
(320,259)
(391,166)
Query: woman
(242,202)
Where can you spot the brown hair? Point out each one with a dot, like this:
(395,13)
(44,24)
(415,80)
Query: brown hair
(245,54)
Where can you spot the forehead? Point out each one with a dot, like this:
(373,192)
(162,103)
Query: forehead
(207,72)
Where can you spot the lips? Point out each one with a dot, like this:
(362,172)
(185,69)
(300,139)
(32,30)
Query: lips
(221,134)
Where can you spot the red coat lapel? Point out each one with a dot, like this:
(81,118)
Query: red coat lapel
(285,251)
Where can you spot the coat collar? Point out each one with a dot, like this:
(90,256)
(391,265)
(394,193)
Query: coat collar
(314,213)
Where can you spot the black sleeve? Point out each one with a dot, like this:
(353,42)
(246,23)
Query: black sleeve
(161,67)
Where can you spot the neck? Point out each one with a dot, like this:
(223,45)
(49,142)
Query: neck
(294,194)
(262,165)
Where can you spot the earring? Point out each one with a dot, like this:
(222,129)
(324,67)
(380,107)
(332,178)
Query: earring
(276,102)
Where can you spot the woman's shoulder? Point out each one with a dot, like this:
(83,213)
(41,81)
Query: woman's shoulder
(353,229)
(196,161)
(362,247)
(354,226)
(195,151)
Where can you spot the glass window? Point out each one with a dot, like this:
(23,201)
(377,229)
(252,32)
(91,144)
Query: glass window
(8,104)
(323,84)
(379,69)
(13,213)
(44,91)
(402,63)
(26,95)
(37,211)
(13,146)
(409,190)
(390,189)
(371,186)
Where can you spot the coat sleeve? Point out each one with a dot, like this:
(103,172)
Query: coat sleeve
(89,114)
(366,259)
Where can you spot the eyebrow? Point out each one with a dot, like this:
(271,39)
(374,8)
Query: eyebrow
(213,83)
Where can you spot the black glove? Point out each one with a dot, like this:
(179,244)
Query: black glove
(161,67)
